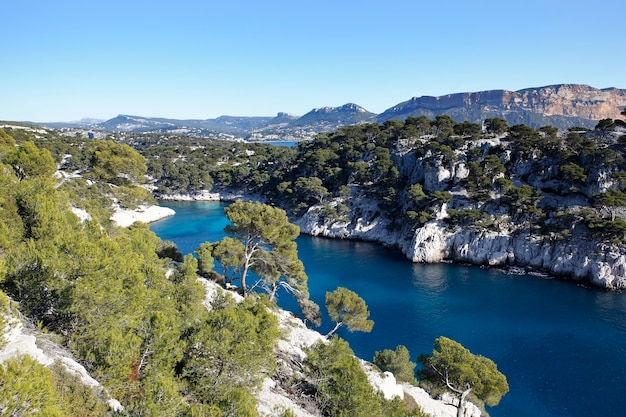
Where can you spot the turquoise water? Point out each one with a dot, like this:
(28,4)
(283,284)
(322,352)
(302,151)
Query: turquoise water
(561,346)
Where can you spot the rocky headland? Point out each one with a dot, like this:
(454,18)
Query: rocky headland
(583,259)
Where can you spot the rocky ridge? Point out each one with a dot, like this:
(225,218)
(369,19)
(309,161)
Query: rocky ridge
(562,106)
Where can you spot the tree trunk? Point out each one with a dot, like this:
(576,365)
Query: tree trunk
(338,325)
(244,273)
(273,291)
(460,412)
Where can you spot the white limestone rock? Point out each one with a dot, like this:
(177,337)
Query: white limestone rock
(429,244)
(384,382)
(436,178)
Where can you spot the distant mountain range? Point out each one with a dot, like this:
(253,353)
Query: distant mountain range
(562,106)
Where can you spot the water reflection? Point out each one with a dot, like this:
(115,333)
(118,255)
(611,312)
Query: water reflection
(431,279)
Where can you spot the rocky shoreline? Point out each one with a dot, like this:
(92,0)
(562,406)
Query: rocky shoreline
(599,264)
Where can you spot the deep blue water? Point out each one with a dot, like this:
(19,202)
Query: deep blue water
(561,346)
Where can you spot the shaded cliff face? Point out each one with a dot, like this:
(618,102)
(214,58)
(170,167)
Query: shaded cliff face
(562,106)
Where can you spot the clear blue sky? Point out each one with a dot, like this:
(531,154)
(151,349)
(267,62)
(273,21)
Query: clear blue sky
(64,60)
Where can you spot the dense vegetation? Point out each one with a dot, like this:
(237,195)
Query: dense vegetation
(130,307)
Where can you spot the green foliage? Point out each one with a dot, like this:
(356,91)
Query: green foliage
(105,290)
(444,125)
(605,125)
(398,362)
(611,199)
(467,217)
(608,229)
(206,262)
(311,190)
(310,310)
(478,183)
(468,129)
(416,194)
(574,173)
(345,307)
(525,135)
(28,388)
(441,197)
(338,212)
(341,386)
(29,161)
(93,197)
(5,313)
(6,142)
(230,352)
(400,408)
(230,253)
(420,218)
(130,197)
(496,126)
(116,163)
(455,368)
(549,131)
(523,200)
(168,249)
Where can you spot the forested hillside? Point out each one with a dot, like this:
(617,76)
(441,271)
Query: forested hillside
(132,310)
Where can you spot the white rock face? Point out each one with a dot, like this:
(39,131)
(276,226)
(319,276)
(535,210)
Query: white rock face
(428,244)
(199,196)
(81,214)
(384,382)
(438,408)
(273,401)
(436,178)
(603,265)
(585,260)
(367,223)
(19,343)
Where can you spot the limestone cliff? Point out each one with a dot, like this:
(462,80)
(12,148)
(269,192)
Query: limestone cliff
(562,106)
(598,263)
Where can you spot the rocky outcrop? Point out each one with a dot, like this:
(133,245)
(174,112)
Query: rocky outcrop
(586,260)
(366,223)
(276,396)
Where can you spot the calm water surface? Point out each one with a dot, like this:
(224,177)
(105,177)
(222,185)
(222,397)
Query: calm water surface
(561,346)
